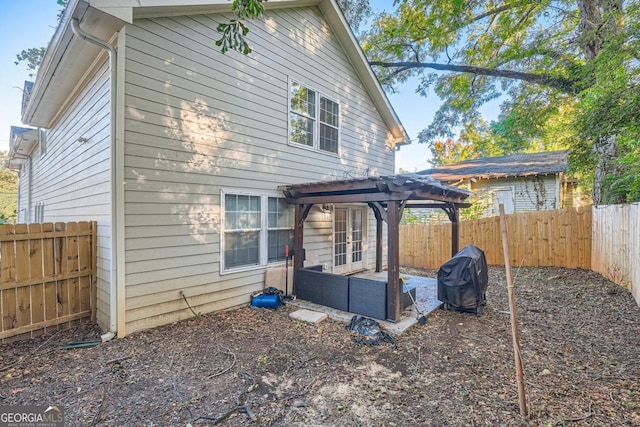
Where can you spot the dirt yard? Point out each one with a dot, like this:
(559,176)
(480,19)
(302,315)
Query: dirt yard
(580,338)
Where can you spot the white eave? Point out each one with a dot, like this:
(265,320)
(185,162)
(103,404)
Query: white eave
(67,58)
(21,143)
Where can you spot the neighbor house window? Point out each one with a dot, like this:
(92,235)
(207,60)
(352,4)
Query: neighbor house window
(314,119)
(256,230)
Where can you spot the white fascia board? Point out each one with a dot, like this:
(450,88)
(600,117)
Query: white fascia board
(55,50)
(127,10)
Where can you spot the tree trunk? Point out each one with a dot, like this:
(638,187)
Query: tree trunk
(606,149)
(598,20)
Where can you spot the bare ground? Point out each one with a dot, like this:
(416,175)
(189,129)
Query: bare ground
(580,341)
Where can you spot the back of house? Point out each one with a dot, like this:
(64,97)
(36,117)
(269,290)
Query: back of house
(178,150)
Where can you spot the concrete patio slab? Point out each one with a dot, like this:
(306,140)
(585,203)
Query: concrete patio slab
(308,316)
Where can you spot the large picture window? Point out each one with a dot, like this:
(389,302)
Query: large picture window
(257,229)
(314,119)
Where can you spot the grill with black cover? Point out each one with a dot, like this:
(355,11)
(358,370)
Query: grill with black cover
(463,280)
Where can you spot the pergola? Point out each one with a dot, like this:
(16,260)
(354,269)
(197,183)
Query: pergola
(387,196)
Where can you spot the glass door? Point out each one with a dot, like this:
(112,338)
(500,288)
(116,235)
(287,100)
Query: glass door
(349,240)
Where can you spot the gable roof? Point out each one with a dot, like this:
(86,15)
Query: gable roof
(67,57)
(551,162)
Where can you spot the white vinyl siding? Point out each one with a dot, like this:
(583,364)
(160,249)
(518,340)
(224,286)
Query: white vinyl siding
(197,122)
(529,193)
(72,181)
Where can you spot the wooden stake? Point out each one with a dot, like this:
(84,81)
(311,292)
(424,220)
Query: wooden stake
(514,315)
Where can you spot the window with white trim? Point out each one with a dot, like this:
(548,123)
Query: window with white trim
(314,119)
(256,230)
(279,228)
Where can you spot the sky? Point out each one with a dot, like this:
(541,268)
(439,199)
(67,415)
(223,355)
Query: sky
(23,24)
(31,23)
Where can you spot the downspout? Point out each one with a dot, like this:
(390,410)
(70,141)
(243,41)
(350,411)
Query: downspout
(29,188)
(113,60)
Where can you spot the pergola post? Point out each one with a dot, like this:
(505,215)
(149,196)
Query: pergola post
(376,212)
(393,260)
(301,212)
(455,231)
(378,244)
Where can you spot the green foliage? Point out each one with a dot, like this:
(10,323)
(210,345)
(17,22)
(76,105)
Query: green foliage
(423,216)
(568,72)
(480,202)
(234,33)
(33,55)
(233,37)
(8,190)
(610,105)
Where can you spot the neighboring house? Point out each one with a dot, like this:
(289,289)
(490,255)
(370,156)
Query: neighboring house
(177,150)
(521,182)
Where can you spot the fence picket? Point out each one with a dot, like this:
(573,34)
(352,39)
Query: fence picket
(23,296)
(48,264)
(47,276)
(8,275)
(35,272)
(72,266)
(84,264)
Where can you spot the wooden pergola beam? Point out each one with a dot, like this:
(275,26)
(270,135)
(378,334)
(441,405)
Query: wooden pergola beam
(351,198)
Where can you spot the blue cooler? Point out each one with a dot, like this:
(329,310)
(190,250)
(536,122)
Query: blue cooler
(265,301)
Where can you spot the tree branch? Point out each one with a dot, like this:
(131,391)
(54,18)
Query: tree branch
(499,9)
(559,83)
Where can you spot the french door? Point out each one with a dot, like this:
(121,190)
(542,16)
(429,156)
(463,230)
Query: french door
(349,245)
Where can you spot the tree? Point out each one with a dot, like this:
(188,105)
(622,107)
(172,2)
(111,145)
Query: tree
(8,190)
(33,55)
(548,57)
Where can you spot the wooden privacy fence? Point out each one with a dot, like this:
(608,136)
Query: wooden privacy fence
(616,245)
(47,275)
(559,238)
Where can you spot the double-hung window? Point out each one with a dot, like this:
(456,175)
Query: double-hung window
(257,229)
(314,119)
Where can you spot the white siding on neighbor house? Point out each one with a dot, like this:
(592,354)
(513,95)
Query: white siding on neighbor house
(72,178)
(198,122)
(529,193)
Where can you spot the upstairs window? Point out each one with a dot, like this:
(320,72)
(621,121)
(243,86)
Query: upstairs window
(314,119)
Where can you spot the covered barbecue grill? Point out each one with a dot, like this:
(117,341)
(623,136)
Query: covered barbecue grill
(462,281)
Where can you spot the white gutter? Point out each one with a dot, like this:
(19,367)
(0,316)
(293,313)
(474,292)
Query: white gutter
(113,69)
